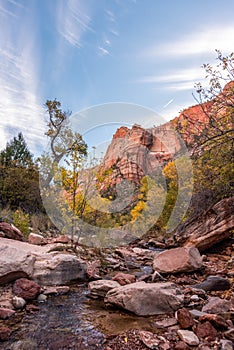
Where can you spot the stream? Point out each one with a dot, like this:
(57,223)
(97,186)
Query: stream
(71,322)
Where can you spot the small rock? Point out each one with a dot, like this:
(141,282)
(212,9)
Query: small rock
(195,298)
(168,322)
(6,313)
(184,318)
(41,298)
(149,339)
(93,269)
(196,313)
(180,345)
(216,305)
(124,278)
(32,308)
(205,330)
(101,287)
(62,239)
(213,283)
(56,290)
(188,337)
(216,320)
(18,302)
(5,333)
(26,289)
(226,344)
(36,239)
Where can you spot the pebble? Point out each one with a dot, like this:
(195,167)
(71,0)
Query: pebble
(188,337)
(18,302)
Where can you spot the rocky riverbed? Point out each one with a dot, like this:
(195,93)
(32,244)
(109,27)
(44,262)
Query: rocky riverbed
(117,306)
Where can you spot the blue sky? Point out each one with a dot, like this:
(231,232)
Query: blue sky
(91,52)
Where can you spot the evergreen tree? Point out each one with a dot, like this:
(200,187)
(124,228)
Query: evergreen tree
(16,153)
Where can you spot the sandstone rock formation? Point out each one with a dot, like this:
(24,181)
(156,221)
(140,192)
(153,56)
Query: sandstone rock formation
(210,228)
(146,299)
(136,152)
(178,260)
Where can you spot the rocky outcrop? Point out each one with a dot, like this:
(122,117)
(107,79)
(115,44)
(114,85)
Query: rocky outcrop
(136,152)
(146,299)
(21,259)
(178,260)
(210,228)
(10,231)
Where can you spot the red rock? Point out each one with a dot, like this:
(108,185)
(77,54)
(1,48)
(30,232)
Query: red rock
(36,239)
(206,330)
(184,318)
(181,346)
(26,289)
(6,313)
(216,305)
(121,132)
(216,320)
(124,278)
(5,333)
(10,231)
(62,239)
(32,308)
(178,260)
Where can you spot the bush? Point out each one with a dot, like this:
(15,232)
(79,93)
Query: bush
(21,220)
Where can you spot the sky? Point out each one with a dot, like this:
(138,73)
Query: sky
(95,52)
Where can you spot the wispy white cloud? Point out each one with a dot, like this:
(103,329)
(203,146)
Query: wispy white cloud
(73,20)
(20,108)
(103,51)
(203,41)
(183,79)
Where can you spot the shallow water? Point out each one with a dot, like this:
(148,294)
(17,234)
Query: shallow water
(72,322)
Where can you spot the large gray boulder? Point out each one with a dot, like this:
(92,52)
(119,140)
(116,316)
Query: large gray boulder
(14,263)
(146,299)
(21,259)
(178,260)
(58,269)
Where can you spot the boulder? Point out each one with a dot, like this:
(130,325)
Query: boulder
(26,289)
(209,228)
(213,283)
(101,287)
(58,269)
(146,299)
(34,238)
(21,259)
(216,305)
(10,231)
(14,263)
(178,260)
